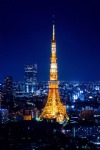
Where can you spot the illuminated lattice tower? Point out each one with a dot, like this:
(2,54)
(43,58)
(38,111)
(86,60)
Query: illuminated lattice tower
(54,109)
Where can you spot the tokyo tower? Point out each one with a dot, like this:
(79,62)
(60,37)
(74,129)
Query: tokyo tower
(54,109)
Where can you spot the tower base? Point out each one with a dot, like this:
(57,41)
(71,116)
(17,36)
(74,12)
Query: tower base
(54,109)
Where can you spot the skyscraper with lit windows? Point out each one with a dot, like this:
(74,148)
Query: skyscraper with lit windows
(30,77)
(8,85)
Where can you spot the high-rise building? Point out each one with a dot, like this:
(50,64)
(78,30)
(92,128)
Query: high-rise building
(30,76)
(3,115)
(30,73)
(54,109)
(19,89)
(8,85)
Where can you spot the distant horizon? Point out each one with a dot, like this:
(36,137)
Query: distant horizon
(87,81)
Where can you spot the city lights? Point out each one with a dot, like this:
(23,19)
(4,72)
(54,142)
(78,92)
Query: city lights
(49,97)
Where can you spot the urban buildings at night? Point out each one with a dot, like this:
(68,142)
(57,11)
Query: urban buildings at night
(8,85)
(36,114)
(30,76)
(24,103)
(29,86)
(3,116)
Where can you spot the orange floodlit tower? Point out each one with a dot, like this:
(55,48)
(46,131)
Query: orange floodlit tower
(54,109)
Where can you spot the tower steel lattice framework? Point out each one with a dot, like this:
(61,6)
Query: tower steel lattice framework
(54,109)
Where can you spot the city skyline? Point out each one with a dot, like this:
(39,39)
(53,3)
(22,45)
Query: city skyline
(25,36)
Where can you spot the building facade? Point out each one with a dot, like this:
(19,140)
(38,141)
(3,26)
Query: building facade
(8,85)
(30,77)
(3,115)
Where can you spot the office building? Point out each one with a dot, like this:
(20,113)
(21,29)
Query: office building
(8,85)
(3,115)
(30,76)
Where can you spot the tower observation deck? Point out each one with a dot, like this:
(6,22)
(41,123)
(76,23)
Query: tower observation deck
(54,109)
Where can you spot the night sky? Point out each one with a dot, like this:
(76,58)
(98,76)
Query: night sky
(25,38)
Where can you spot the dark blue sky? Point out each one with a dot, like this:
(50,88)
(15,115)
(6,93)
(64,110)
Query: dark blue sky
(25,38)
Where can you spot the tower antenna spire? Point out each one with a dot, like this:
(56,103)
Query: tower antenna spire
(53,19)
(53,34)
